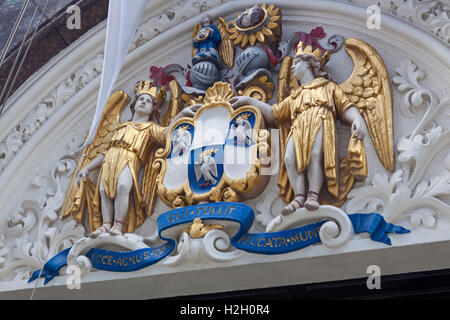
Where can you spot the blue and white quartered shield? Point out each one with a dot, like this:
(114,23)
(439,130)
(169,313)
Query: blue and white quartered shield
(214,156)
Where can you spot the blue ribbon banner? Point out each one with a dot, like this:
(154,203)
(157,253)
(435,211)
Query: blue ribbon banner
(262,243)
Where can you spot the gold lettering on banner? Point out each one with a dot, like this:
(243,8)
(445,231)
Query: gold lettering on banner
(259,242)
(269,243)
(301,236)
(180,215)
(244,240)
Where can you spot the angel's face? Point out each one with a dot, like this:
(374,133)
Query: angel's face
(144,105)
(240,122)
(299,67)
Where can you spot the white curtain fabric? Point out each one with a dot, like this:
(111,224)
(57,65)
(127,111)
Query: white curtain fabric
(123,19)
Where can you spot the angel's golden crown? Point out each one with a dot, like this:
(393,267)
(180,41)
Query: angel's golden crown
(208,152)
(146,87)
(243,116)
(322,56)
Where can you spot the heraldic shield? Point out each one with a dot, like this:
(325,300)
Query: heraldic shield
(218,155)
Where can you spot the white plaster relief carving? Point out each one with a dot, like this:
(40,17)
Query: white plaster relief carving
(214,247)
(35,230)
(44,110)
(408,192)
(430,15)
(333,233)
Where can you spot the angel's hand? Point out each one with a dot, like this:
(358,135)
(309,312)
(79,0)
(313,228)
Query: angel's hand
(359,129)
(240,101)
(82,175)
(195,107)
(187,112)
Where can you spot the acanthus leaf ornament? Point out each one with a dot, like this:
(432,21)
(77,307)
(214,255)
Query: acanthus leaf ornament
(408,193)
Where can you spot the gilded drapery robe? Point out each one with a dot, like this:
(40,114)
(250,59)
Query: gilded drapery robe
(314,105)
(132,144)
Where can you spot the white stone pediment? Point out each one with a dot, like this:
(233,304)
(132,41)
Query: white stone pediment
(51,114)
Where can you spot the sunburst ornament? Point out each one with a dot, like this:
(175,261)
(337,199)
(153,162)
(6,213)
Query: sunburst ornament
(256,24)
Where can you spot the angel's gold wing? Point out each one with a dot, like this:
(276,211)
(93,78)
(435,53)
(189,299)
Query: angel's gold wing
(79,194)
(226,47)
(197,28)
(175,104)
(149,179)
(369,89)
(286,81)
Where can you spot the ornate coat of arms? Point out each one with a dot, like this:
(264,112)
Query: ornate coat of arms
(211,152)
(215,156)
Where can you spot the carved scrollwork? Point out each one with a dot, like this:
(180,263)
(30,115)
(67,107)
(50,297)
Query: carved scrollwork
(333,233)
(408,192)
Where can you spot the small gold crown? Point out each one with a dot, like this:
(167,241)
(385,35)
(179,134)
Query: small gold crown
(146,87)
(208,152)
(186,127)
(323,57)
(243,116)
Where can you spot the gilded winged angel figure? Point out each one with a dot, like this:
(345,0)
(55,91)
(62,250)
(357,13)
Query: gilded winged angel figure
(117,202)
(309,104)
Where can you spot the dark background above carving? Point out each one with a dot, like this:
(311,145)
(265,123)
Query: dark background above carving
(52,35)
